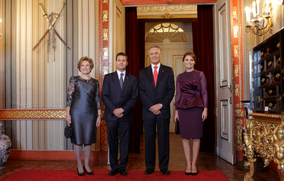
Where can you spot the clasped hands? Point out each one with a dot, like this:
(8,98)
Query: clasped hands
(118,112)
(156,109)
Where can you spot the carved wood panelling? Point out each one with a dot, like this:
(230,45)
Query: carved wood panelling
(223,47)
(224,119)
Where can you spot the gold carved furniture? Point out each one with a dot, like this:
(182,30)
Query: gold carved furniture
(264,135)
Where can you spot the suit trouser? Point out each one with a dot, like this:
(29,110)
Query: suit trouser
(123,129)
(150,142)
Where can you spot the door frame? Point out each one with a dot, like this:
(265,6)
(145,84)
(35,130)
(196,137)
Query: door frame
(229,86)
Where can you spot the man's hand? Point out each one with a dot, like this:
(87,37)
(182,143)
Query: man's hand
(158,113)
(155,108)
(118,111)
(120,116)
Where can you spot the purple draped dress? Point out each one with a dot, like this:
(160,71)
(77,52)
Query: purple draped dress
(191,99)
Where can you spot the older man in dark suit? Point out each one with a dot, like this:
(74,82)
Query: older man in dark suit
(156,90)
(119,95)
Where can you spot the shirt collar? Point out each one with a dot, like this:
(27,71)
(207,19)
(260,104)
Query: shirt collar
(118,73)
(152,65)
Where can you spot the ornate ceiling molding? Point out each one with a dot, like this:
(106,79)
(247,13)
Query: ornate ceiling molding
(167,8)
(174,11)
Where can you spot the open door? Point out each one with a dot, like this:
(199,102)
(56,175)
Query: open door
(224,87)
(116,31)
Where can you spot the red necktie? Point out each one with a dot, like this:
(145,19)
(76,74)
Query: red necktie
(155,75)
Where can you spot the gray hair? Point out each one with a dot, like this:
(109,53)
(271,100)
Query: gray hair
(154,46)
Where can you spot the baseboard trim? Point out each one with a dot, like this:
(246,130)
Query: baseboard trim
(54,155)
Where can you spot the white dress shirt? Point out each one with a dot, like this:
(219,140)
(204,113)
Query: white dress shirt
(123,77)
(153,69)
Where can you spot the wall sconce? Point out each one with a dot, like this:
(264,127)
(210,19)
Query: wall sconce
(280,2)
(259,25)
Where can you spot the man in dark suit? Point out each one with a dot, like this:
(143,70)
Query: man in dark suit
(119,95)
(156,90)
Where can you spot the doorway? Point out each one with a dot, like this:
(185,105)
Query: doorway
(133,44)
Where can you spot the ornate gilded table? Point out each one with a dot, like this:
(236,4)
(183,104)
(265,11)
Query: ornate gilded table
(265,136)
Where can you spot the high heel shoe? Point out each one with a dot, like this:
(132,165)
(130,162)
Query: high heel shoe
(188,173)
(195,172)
(80,174)
(89,173)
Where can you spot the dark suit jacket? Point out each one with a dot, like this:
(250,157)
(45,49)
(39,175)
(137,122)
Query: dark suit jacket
(113,97)
(162,93)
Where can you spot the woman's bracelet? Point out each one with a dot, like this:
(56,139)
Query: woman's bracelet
(100,115)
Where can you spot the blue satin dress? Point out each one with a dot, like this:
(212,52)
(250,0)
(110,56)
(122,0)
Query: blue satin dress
(83,97)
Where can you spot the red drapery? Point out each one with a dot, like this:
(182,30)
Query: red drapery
(203,48)
(202,33)
(135,48)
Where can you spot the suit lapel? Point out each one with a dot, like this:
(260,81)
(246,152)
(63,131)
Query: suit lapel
(126,82)
(150,77)
(115,80)
(160,75)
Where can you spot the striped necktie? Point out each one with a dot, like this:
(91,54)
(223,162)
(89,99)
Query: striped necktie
(121,80)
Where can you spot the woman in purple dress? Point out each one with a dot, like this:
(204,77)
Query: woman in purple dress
(191,109)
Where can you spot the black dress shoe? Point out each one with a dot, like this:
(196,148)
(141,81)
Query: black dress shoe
(89,173)
(80,174)
(113,172)
(195,172)
(123,172)
(149,171)
(165,172)
(188,173)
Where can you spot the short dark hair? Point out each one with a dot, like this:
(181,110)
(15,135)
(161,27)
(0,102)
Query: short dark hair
(190,54)
(121,54)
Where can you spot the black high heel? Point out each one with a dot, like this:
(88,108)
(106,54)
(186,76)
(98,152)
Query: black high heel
(89,173)
(188,173)
(80,174)
(195,172)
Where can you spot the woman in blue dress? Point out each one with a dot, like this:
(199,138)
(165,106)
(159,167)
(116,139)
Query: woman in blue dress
(83,111)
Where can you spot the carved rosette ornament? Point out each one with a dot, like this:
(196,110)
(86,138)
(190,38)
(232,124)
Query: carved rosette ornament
(264,135)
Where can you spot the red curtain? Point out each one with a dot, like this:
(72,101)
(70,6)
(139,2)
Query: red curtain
(203,48)
(202,33)
(135,48)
